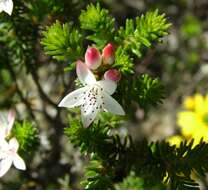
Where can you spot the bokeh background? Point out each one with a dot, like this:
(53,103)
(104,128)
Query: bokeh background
(34,83)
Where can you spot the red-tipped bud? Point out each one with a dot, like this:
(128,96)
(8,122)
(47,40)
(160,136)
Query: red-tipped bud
(93,58)
(108,54)
(112,74)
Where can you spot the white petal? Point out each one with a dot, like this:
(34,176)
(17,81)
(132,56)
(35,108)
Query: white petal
(13,144)
(4,144)
(84,74)
(90,111)
(4,148)
(74,98)
(3,124)
(19,162)
(111,105)
(2,133)
(11,118)
(5,164)
(3,155)
(108,86)
(7,6)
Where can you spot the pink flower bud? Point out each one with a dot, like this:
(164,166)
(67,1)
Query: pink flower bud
(93,58)
(108,54)
(112,74)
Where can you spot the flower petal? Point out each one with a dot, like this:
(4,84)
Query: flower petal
(3,120)
(4,147)
(11,118)
(108,86)
(13,144)
(2,133)
(111,105)
(7,6)
(74,98)
(5,164)
(84,74)
(89,111)
(199,104)
(189,122)
(19,162)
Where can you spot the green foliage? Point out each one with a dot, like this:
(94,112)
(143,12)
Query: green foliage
(14,49)
(194,161)
(97,178)
(132,182)
(63,42)
(17,45)
(179,163)
(191,27)
(142,32)
(106,150)
(27,136)
(123,62)
(91,140)
(97,20)
(111,120)
(148,91)
(113,158)
(144,90)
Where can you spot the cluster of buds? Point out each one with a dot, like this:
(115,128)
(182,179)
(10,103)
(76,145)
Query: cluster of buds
(94,59)
(95,95)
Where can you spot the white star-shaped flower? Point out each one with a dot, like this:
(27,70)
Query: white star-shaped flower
(6,123)
(94,97)
(9,156)
(6,6)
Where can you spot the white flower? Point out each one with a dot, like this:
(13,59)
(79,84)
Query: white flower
(94,97)
(9,156)
(6,6)
(6,123)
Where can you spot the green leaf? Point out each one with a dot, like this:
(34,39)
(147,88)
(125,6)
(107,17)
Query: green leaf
(98,21)
(123,62)
(63,42)
(27,136)
(140,33)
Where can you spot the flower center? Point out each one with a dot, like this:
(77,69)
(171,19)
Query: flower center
(12,152)
(205,118)
(93,100)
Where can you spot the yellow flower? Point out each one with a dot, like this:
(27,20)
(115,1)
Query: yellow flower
(193,122)
(175,140)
